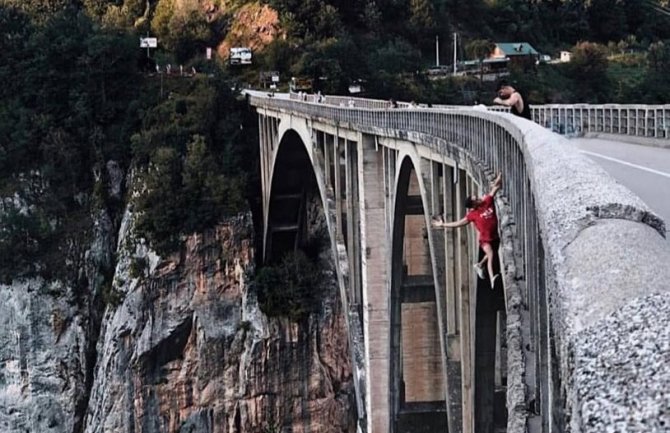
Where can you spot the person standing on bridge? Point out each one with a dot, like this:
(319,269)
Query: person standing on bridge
(510,97)
(483,214)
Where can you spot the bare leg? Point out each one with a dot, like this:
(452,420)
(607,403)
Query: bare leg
(489,257)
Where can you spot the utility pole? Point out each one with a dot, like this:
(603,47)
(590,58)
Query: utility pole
(437,50)
(455,48)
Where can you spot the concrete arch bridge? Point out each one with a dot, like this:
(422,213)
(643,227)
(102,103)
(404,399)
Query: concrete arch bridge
(584,265)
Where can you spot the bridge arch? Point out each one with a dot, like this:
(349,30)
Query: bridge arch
(282,142)
(296,170)
(417,377)
(286,209)
(429,398)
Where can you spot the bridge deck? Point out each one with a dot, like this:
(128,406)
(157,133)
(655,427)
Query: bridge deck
(644,170)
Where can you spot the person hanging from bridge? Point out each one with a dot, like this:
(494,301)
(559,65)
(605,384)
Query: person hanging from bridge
(482,213)
(510,97)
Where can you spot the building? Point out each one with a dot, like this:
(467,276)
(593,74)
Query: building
(518,53)
(566,56)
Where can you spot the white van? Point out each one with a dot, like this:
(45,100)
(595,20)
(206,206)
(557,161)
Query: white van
(240,56)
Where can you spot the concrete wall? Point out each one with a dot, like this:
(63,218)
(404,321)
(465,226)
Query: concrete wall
(608,291)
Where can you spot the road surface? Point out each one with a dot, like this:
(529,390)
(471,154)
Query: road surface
(644,170)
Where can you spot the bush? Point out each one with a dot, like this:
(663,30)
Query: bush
(194,161)
(290,288)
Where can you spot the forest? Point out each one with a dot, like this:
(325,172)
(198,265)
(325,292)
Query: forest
(79,93)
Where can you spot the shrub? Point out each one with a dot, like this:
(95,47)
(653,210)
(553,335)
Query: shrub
(289,288)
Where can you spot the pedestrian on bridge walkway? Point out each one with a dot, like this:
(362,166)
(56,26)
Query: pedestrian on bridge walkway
(483,214)
(511,97)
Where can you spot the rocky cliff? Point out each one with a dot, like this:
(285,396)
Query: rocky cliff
(183,347)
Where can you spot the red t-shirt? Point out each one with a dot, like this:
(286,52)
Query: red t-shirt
(485,220)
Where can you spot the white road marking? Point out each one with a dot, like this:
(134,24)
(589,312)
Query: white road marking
(619,161)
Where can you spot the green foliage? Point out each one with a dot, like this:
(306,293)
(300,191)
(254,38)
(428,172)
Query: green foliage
(659,57)
(290,288)
(395,56)
(193,159)
(20,239)
(479,49)
(389,39)
(335,59)
(588,68)
(65,114)
(277,56)
(308,19)
(138,267)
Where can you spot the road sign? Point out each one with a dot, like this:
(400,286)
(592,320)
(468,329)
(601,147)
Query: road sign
(148,42)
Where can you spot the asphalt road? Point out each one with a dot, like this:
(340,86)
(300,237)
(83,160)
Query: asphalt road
(644,170)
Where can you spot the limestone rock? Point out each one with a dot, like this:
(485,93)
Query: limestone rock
(188,350)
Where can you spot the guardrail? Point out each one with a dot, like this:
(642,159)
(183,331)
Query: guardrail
(651,121)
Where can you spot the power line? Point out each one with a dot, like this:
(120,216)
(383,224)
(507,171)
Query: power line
(657,7)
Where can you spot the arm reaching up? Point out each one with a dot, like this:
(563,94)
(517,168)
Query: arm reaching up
(438,223)
(496,185)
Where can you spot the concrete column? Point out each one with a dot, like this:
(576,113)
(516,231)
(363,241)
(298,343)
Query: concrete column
(266,169)
(487,302)
(463,279)
(485,353)
(354,197)
(261,143)
(448,202)
(337,185)
(375,241)
(435,191)
(327,158)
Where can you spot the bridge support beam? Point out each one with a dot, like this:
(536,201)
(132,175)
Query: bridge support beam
(375,268)
(489,302)
(463,274)
(452,287)
(437,189)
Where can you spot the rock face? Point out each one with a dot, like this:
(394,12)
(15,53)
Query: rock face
(253,26)
(48,333)
(43,363)
(189,350)
(182,347)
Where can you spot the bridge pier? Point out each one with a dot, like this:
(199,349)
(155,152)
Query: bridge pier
(418,388)
(376,279)
(489,303)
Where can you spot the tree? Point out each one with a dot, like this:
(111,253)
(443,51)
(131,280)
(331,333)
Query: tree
(658,57)
(588,69)
(479,49)
(607,20)
(290,287)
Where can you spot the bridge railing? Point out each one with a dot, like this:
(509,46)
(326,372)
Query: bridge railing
(652,121)
(553,288)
